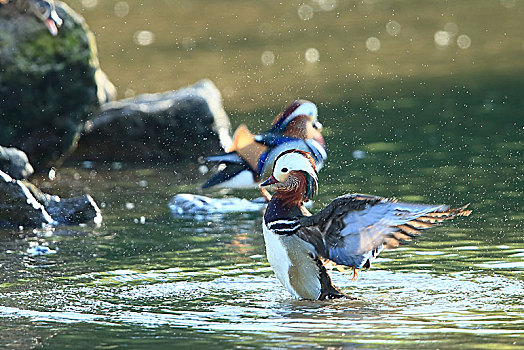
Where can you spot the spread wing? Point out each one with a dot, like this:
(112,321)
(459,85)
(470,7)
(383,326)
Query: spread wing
(353,229)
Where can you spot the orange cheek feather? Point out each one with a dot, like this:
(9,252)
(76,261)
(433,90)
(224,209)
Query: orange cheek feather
(292,194)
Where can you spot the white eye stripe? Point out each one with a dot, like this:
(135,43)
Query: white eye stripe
(281,222)
(292,228)
(308,108)
(292,162)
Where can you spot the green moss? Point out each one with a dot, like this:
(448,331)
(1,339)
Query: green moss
(50,88)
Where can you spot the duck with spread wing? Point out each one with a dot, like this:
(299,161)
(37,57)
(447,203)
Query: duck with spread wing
(351,231)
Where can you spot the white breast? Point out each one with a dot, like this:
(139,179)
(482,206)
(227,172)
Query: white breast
(291,259)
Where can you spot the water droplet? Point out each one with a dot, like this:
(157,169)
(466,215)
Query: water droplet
(463,41)
(312,55)
(326,5)
(188,43)
(144,37)
(40,250)
(87,164)
(305,12)
(393,28)
(442,38)
(508,3)
(89,3)
(116,165)
(129,93)
(52,173)
(268,58)
(451,28)
(358,154)
(373,44)
(121,9)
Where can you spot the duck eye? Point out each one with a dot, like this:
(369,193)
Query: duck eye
(284,170)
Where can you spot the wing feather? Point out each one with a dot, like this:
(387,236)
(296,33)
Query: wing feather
(410,231)
(419,225)
(354,229)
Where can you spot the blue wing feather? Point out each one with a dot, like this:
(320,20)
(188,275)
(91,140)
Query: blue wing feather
(356,228)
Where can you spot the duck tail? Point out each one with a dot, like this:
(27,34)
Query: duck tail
(241,138)
(231,157)
(229,171)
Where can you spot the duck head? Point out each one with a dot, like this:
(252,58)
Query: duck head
(297,108)
(45,10)
(294,177)
(299,120)
(301,127)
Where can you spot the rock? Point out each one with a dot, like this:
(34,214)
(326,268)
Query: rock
(15,163)
(49,85)
(186,204)
(169,126)
(76,210)
(40,250)
(23,204)
(68,211)
(18,206)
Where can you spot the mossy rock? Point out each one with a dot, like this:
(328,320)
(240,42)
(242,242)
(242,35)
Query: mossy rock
(48,87)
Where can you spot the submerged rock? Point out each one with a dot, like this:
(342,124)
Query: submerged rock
(68,211)
(15,163)
(186,204)
(23,204)
(49,85)
(40,250)
(18,206)
(168,126)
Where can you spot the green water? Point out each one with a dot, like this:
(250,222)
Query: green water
(425,137)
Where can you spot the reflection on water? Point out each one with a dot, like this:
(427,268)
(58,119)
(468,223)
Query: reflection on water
(207,281)
(245,299)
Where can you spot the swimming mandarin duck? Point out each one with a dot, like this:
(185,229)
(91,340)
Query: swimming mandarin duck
(250,157)
(44,10)
(351,231)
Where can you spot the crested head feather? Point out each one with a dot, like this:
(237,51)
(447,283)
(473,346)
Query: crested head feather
(295,160)
(297,108)
(304,154)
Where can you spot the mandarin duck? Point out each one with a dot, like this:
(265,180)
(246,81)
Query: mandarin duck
(251,156)
(44,10)
(351,231)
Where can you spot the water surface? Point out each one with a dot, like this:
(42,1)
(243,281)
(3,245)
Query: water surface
(411,120)
(206,282)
